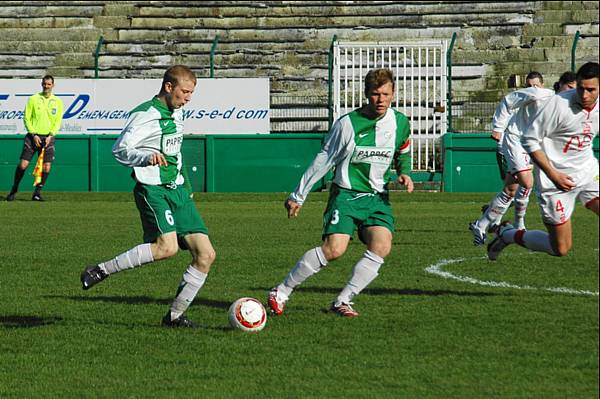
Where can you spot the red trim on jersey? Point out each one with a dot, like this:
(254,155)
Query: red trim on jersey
(588,204)
(557,224)
(405,145)
(524,170)
(519,237)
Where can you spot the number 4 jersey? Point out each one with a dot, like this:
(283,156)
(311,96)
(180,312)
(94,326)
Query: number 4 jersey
(362,151)
(150,128)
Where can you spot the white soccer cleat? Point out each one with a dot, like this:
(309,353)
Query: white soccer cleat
(479,236)
(498,244)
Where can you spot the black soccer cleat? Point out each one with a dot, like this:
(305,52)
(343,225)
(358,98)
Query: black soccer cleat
(11,196)
(180,322)
(91,276)
(37,197)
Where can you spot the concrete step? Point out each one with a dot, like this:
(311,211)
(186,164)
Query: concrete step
(321,36)
(10,61)
(51,34)
(308,8)
(22,72)
(43,46)
(38,9)
(46,22)
(385,19)
(76,60)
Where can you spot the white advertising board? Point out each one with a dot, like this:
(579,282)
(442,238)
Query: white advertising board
(101,106)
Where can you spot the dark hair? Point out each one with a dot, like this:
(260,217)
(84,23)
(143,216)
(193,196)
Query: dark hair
(48,77)
(175,73)
(588,70)
(377,78)
(534,75)
(567,77)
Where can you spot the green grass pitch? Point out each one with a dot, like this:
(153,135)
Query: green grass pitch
(419,335)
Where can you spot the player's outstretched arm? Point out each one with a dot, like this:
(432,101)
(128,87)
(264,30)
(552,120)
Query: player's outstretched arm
(292,207)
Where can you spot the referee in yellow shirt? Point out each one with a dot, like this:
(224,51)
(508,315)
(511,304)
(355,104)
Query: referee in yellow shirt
(43,115)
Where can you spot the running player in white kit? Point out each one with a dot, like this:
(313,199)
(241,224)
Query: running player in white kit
(559,140)
(512,116)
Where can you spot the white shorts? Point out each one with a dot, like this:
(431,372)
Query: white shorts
(517,159)
(557,206)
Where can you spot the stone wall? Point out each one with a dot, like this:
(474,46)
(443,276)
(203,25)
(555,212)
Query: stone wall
(288,41)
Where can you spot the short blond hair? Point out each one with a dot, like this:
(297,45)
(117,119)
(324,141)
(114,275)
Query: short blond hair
(176,74)
(378,77)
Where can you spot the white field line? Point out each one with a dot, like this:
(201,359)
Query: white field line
(437,270)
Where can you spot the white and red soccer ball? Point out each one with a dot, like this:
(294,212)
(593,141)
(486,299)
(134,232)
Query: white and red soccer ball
(247,314)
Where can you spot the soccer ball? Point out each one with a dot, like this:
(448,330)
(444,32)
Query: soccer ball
(247,314)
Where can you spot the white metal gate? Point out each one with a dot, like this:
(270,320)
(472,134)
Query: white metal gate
(420,72)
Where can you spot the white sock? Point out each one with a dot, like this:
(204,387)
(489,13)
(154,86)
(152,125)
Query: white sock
(193,279)
(521,201)
(497,208)
(365,271)
(534,240)
(135,257)
(310,263)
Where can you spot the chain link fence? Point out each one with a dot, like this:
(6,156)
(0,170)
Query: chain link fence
(299,114)
(469,116)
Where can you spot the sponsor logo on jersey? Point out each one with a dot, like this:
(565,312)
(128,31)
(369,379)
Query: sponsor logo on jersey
(372,155)
(171,144)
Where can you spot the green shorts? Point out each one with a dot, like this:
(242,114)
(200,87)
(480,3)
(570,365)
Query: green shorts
(348,210)
(163,210)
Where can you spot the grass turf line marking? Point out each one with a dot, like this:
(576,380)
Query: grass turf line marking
(437,270)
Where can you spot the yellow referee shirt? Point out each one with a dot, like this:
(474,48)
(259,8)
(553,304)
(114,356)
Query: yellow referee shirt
(43,115)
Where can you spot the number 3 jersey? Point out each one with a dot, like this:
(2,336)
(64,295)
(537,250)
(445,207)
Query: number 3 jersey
(564,131)
(152,127)
(362,151)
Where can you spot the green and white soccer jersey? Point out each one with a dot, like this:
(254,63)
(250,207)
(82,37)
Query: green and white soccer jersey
(152,127)
(362,151)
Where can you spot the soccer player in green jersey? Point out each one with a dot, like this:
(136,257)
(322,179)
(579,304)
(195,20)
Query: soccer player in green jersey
(151,144)
(362,146)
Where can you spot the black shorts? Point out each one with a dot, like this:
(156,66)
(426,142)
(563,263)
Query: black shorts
(29,148)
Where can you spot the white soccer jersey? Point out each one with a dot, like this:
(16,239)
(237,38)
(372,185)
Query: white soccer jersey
(564,131)
(362,151)
(512,117)
(516,109)
(152,127)
(513,114)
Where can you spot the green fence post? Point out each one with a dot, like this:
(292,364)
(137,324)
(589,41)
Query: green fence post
(97,55)
(210,164)
(94,164)
(449,80)
(330,83)
(213,48)
(573,50)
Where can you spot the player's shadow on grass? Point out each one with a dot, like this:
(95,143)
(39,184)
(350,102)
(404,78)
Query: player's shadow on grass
(20,321)
(441,230)
(394,291)
(145,300)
